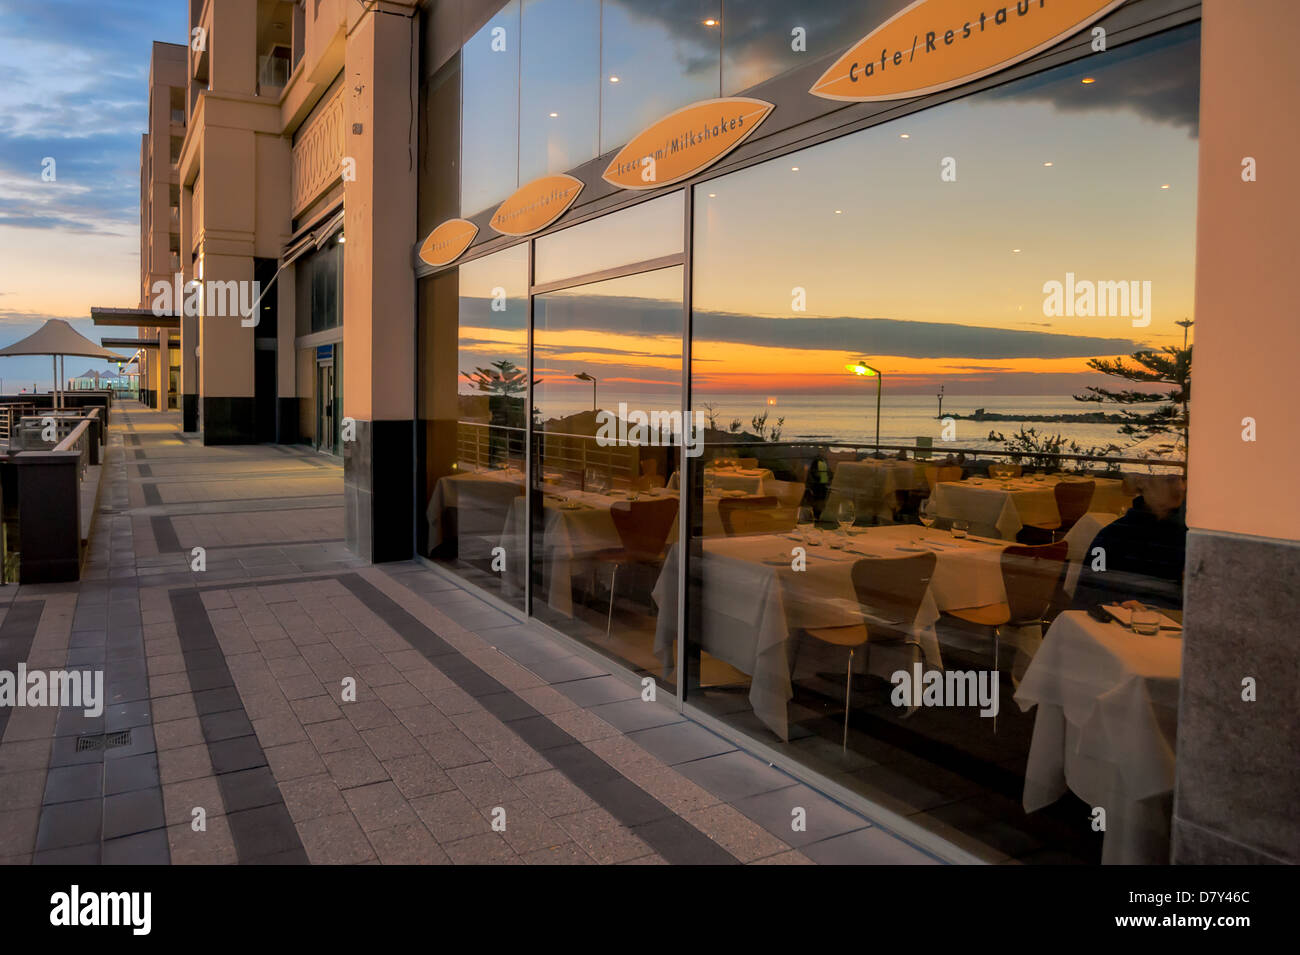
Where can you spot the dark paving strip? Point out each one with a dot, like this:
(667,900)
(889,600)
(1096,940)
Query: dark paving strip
(16,636)
(139,455)
(146,471)
(164,535)
(151,496)
(654,823)
(105,805)
(132,439)
(260,823)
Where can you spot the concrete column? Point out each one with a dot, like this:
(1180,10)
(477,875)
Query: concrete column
(286,400)
(226,360)
(1238,779)
(379,284)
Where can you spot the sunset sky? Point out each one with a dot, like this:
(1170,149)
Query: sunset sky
(73,86)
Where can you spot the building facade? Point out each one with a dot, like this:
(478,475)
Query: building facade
(604,280)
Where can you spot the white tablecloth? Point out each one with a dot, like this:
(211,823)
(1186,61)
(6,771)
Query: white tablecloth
(871,484)
(1002,511)
(1107,703)
(463,491)
(752,606)
(756,481)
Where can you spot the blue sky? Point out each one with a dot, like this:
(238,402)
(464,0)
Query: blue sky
(74,87)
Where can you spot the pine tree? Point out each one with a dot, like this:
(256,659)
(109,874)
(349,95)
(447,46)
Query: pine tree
(1170,365)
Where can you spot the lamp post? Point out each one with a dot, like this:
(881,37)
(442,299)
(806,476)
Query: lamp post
(583,376)
(863,370)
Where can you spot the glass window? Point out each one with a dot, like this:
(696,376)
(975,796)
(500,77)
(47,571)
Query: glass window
(439,197)
(490,112)
(326,269)
(903,471)
(646,231)
(473,401)
(655,58)
(764,38)
(559,95)
(607,393)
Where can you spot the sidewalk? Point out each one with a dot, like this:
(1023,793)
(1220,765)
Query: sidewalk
(472,738)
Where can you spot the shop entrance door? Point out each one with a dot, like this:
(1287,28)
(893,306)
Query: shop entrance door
(326,425)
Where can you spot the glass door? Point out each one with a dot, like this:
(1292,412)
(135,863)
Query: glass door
(326,423)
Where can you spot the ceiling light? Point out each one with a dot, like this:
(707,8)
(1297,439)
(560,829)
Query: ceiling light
(613,79)
(904,135)
(794,168)
(553,115)
(1047,164)
(710,22)
(1088,79)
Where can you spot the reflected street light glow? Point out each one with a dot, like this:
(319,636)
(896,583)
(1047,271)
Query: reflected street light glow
(863,370)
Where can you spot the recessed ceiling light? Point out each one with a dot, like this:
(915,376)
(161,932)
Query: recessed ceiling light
(713,195)
(710,22)
(794,168)
(553,115)
(1088,79)
(904,135)
(1165,186)
(1015,250)
(613,79)
(839,212)
(1047,164)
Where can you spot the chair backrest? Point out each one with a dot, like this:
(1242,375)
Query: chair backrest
(934,475)
(643,526)
(754,515)
(1073,499)
(1031,574)
(893,587)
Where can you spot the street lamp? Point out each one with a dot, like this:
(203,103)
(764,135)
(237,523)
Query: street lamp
(863,370)
(583,376)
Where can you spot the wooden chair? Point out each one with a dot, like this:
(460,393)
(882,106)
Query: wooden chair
(643,528)
(1030,576)
(935,475)
(1073,499)
(754,515)
(890,591)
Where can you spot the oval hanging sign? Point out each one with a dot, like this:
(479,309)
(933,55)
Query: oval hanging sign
(446,242)
(536,205)
(936,44)
(684,142)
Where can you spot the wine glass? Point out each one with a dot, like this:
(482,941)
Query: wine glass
(927,513)
(846,515)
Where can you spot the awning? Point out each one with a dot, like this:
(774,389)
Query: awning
(133,318)
(312,238)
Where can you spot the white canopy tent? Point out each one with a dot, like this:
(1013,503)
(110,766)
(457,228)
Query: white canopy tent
(58,339)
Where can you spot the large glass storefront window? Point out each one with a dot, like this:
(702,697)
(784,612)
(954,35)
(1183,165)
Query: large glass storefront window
(929,520)
(559,89)
(607,393)
(857,544)
(473,409)
(489,167)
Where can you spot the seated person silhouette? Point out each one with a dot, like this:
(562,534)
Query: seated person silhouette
(1144,550)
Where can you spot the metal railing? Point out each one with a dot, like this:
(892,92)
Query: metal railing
(11,414)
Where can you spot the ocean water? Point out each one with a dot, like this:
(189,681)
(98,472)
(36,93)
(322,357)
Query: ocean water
(852,419)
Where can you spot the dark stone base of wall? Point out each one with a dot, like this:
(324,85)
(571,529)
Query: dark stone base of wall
(148,397)
(228,421)
(286,421)
(378,493)
(1238,779)
(189,413)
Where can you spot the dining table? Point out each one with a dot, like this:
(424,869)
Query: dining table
(1106,703)
(755,596)
(1002,507)
(473,491)
(756,481)
(871,485)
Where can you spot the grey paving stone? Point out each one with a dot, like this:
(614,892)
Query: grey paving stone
(636,714)
(680,742)
(72,783)
(126,814)
(867,847)
(598,689)
(824,818)
(735,775)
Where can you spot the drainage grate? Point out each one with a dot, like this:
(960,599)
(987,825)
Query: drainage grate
(103,741)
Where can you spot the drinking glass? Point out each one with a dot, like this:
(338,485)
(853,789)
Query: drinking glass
(846,515)
(927,513)
(960,529)
(804,523)
(1145,621)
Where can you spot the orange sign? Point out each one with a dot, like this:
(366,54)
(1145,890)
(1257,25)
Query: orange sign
(446,242)
(936,44)
(536,205)
(682,143)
